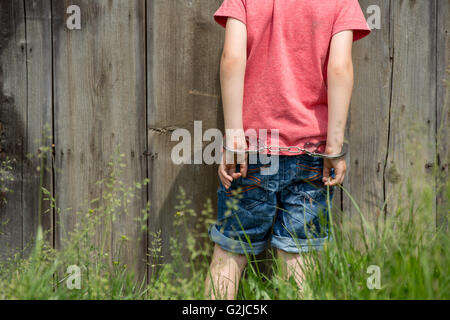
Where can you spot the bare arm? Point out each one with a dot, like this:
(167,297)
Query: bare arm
(232,74)
(340,86)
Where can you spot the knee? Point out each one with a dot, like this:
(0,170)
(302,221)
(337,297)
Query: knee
(287,256)
(223,255)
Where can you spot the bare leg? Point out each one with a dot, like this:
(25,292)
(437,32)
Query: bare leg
(293,264)
(225,272)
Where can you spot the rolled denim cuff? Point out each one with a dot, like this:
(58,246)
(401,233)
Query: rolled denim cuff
(235,246)
(298,245)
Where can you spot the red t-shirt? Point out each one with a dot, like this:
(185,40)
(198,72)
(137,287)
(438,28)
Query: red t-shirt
(287,56)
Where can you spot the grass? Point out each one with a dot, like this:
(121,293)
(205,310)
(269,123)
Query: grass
(412,257)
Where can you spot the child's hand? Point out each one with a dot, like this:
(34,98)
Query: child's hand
(340,167)
(227,169)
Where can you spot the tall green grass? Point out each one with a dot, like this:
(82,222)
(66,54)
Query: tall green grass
(412,255)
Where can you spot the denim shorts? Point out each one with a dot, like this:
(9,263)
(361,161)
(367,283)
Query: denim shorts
(288,206)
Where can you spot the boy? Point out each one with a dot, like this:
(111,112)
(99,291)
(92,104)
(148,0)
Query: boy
(286,67)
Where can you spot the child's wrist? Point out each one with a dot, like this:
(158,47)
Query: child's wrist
(333,149)
(334,144)
(235,139)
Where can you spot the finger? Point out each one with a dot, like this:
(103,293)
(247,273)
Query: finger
(225,183)
(236,175)
(232,171)
(243,168)
(337,178)
(331,181)
(224,174)
(342,179)
(326,174)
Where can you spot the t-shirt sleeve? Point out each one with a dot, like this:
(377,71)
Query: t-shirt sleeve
(349,16)
(231,8)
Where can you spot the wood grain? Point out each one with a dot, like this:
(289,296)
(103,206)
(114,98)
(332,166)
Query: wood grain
(443,111)
(99,85)
(38,171)
(137,70)
(412,126)
(13,110)
(368,123)
(184,46)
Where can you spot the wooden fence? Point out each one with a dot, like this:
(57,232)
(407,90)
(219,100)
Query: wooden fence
(139,69)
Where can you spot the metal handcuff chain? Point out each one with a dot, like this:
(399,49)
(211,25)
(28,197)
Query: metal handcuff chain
(296,148)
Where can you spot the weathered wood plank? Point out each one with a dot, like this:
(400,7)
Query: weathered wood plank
(37,169)
(369,120)
(184,46)
(395,127)
(99,87)
(412,142)
(13,110)
(443,109)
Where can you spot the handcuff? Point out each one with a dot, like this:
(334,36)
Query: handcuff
(290,149)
